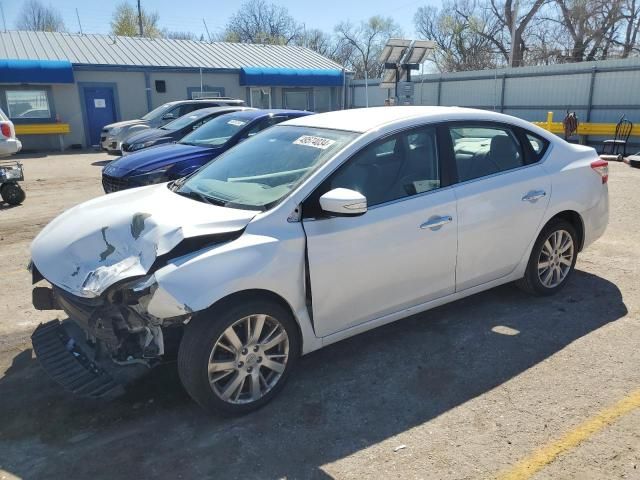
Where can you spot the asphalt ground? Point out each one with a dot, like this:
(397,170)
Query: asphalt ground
(498,385)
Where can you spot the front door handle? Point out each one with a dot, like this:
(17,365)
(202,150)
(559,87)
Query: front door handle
(534,195)
(434,223)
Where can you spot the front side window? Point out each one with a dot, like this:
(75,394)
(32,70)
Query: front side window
(264,169)
(484,150)
(396,167)
(183,121)
(28,104)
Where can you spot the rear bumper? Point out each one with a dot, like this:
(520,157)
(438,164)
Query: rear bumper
(9,146)
(596,219)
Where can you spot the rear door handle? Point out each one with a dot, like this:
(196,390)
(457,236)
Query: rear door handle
(434,223)
(534,195)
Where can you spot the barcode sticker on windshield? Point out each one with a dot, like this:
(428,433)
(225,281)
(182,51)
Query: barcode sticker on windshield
(315,142)
(236,123)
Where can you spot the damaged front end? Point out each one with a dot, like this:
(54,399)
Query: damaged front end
(107,342)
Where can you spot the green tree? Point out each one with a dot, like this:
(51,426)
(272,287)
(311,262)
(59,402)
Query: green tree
(124,22)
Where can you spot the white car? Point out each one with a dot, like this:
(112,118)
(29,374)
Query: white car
(308,233)
(9,144)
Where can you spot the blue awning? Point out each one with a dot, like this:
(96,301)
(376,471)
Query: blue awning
(290,77)
(36,71)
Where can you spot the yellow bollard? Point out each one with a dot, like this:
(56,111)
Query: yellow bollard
(549,120)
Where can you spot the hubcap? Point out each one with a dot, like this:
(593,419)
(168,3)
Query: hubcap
(556,259)
(248,359)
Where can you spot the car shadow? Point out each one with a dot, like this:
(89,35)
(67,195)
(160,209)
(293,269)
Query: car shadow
(340,400)
(6,206)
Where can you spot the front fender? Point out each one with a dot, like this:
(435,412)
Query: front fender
(254,261)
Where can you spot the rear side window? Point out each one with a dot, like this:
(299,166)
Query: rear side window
(538,144)
(484,150)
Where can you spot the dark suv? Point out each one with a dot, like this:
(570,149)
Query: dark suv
(113,135)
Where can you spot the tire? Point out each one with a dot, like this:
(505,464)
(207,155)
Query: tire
(240,371)
(533,281)
(12,193)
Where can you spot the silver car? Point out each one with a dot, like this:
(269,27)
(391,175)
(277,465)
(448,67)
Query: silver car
(114,134)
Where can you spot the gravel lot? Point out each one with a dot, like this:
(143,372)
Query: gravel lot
(463,391)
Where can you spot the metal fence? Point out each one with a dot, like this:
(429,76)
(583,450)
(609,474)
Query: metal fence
(598,92)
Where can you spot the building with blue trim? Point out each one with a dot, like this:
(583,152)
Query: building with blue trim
(84,80)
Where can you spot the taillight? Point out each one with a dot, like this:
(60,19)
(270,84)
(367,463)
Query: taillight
(5,129)
(601,167)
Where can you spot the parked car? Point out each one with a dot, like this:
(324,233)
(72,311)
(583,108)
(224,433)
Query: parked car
(310,232)
(114,134)
(174,131)
(9,144)
(176,160)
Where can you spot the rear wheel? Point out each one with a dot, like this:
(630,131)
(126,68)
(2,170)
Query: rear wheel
(552,260)
(12,193)
(236,359)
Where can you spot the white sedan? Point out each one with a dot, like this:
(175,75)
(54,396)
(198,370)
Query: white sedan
(308,233)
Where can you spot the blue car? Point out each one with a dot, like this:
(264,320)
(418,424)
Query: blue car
(172,161)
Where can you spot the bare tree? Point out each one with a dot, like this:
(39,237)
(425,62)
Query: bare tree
(125,22)
(258,21)
(459,45)
(37,17)
(590,25)
(627,28)
(367,41)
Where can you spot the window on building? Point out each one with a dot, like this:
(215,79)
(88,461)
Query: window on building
(322,100)
(296,99)
(261,97)
(484,150)
(28,104)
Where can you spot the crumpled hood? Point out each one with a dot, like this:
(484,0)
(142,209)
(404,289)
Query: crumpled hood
(158,156)
(125,123)
(110,238)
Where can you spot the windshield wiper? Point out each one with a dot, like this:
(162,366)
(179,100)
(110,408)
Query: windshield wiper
(192,194)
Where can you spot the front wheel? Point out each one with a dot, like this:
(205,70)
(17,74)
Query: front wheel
(236,358)
(552,260)
(12,193)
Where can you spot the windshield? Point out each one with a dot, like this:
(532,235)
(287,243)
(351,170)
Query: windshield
(264,169)
(216,132)
(184,121)
(157,112)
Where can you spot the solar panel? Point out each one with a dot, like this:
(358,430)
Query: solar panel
(419,50)
(393,50)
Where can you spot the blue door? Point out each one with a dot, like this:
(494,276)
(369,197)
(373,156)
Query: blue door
(101,110)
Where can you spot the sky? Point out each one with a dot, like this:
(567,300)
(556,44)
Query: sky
(187,15)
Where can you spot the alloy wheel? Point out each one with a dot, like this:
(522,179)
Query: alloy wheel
(556,258)
(248,359)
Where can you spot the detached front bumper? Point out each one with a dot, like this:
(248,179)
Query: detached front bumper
(65,355)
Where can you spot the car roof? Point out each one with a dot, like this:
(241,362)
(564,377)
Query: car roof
(202,112)
(255,114)
(230,101)
(362,120)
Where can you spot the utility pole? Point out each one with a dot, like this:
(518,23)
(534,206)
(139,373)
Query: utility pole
(140,30)
(207,30)
(79,24)
(514,19)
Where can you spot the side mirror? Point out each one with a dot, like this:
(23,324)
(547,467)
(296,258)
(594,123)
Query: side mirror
(343,202)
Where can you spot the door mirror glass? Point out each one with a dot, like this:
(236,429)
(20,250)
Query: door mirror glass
(343,202)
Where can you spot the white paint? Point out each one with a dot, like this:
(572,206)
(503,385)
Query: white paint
(99,103)
(366,270)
